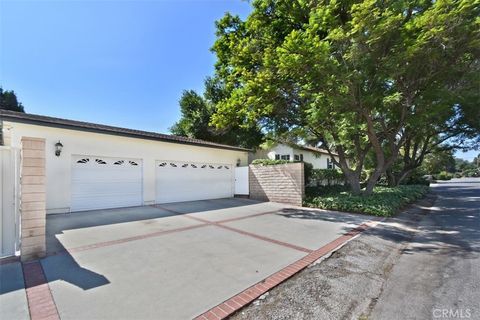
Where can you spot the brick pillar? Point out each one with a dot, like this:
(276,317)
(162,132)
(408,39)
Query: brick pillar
(32,199)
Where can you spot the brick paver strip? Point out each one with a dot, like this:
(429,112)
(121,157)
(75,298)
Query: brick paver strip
(246,233)
(219,221)
(248,217)
(40,301)
(248,295)
(129,239)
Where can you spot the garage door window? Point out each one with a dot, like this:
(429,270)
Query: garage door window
(186,181)
(104,182)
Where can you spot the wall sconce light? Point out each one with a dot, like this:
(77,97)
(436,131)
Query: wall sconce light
(238,162)
(58,148)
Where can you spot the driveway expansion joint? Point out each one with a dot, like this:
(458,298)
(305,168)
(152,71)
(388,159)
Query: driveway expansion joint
(246,233)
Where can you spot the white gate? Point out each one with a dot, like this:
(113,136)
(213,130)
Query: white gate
(241,181)
(9,204)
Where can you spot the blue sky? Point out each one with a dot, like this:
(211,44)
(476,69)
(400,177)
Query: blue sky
(121,63)
(116,62)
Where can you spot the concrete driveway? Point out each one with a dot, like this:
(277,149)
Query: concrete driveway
(176,261)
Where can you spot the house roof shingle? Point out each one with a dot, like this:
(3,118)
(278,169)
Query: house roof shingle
(105,129)
(314,149)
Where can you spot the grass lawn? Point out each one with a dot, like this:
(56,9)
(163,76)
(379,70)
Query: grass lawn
(383,202)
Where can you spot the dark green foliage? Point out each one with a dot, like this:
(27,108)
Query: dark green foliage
(359,77)
(444,175)
(471,173)
(416,178)
(269,162)
(331,176)
(316,191)
(8,101)
(195,117)
(308,172)
(197,111)
(384,201)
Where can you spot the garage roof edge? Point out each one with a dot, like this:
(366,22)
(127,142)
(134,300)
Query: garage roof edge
(105,129)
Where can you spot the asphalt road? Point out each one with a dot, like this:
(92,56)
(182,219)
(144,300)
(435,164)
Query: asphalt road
(438,274)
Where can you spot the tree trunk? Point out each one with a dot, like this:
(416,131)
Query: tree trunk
(403,175)
(391,178)
(372,181)
(353,181)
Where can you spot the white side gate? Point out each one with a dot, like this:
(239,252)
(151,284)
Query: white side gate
(241,181)
(9,201)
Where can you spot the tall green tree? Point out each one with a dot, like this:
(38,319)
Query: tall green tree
(196,113)
(9,101)
(355,75)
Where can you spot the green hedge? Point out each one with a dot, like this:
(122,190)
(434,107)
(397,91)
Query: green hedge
(269,162)
(328,174)
(383,202)
(444,175)
(471,173)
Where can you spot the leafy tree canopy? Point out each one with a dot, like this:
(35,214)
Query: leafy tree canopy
(8,101)
(355,76)
(196,113)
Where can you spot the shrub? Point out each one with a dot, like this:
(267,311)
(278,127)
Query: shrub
(308,172)
(269,162)
(325,190)
(383,202)
(444,175)
(416,178)
(331,176)
(472,173)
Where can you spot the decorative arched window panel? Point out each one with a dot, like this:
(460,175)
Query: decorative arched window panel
(84,160)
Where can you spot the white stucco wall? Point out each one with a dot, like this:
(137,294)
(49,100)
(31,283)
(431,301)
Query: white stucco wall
(319,161)
(58,169)
(280,149)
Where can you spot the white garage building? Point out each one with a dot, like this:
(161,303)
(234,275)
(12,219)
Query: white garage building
(102,166)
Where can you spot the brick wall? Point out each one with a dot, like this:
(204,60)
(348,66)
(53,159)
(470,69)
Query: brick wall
(32,199)
(278,183)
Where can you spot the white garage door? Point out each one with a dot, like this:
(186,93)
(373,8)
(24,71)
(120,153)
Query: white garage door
(187,181)
(102,182)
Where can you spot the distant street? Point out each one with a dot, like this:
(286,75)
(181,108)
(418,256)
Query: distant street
(438,275)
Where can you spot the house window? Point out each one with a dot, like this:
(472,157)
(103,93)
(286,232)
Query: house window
(298,157)
(330,164)
(285,157)
(277,157)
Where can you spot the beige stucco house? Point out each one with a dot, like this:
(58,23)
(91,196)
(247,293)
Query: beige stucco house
(101,166)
